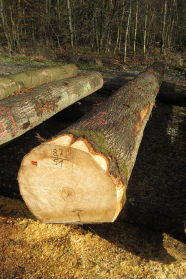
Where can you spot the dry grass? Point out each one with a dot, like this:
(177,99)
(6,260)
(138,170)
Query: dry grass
(31,249)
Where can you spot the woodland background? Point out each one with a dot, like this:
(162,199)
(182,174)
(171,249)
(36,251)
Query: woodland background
(133,29)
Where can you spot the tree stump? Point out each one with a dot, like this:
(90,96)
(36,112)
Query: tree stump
(81,175)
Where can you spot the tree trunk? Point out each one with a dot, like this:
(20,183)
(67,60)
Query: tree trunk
(3,26)
(145,31)
(164,24)
(126,35)
(70,24)
(10,84)
(136,26)
(19,114)
(85,169)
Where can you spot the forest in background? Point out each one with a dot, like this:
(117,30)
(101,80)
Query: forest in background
(131,28)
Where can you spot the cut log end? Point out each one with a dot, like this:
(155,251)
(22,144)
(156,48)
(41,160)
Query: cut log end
(65,181)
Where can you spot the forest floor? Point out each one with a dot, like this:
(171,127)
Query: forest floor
(31,249)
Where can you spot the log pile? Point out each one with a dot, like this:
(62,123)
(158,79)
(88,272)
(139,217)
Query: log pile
(15,83)
(21,112)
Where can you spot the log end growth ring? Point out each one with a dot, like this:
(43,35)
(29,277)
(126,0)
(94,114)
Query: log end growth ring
(62,181)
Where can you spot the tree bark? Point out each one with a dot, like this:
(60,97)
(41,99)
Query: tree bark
(19,114)
(9,84)
(85,169)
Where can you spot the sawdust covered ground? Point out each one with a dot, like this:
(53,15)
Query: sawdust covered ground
(31,249)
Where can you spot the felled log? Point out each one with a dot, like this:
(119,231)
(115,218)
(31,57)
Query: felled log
(81,175)
(15,83)
(20,113)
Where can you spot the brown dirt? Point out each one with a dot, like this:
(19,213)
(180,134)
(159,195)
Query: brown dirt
(31,249)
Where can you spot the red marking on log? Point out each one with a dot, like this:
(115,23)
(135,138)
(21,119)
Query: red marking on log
(94,119)
(103,113)
(2,132)
(15,129)
(102,121)
(34,163)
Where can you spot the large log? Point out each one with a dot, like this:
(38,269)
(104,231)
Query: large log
(81,175)
(20,113)
(14,83)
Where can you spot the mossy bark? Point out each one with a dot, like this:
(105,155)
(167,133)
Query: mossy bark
(20,113)
(15,83)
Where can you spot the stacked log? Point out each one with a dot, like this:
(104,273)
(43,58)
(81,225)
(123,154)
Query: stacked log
(21,112)
(15,83)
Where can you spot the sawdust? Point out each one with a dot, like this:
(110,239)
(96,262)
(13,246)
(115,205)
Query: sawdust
(31,249)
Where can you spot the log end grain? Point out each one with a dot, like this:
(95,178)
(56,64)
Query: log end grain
(65,181)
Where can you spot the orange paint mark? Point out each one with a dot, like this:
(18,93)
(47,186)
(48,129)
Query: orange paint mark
(103,113)
(32,124)
(141,118)
(102,121)
(34,163)
(46,106)
(22,92)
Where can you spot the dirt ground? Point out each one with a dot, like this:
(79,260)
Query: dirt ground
(31,249)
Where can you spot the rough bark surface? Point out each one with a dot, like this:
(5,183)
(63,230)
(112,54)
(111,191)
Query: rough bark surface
(107,140)
(14,83)
(19,114)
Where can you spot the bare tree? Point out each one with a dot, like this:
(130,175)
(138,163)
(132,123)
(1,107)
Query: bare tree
(126,34)
(136,26)
(4,27)
(70,23)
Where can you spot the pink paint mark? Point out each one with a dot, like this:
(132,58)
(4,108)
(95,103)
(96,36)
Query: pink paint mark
(102,121)
(1,113)
(4,128)
(103,113)
(11,119)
